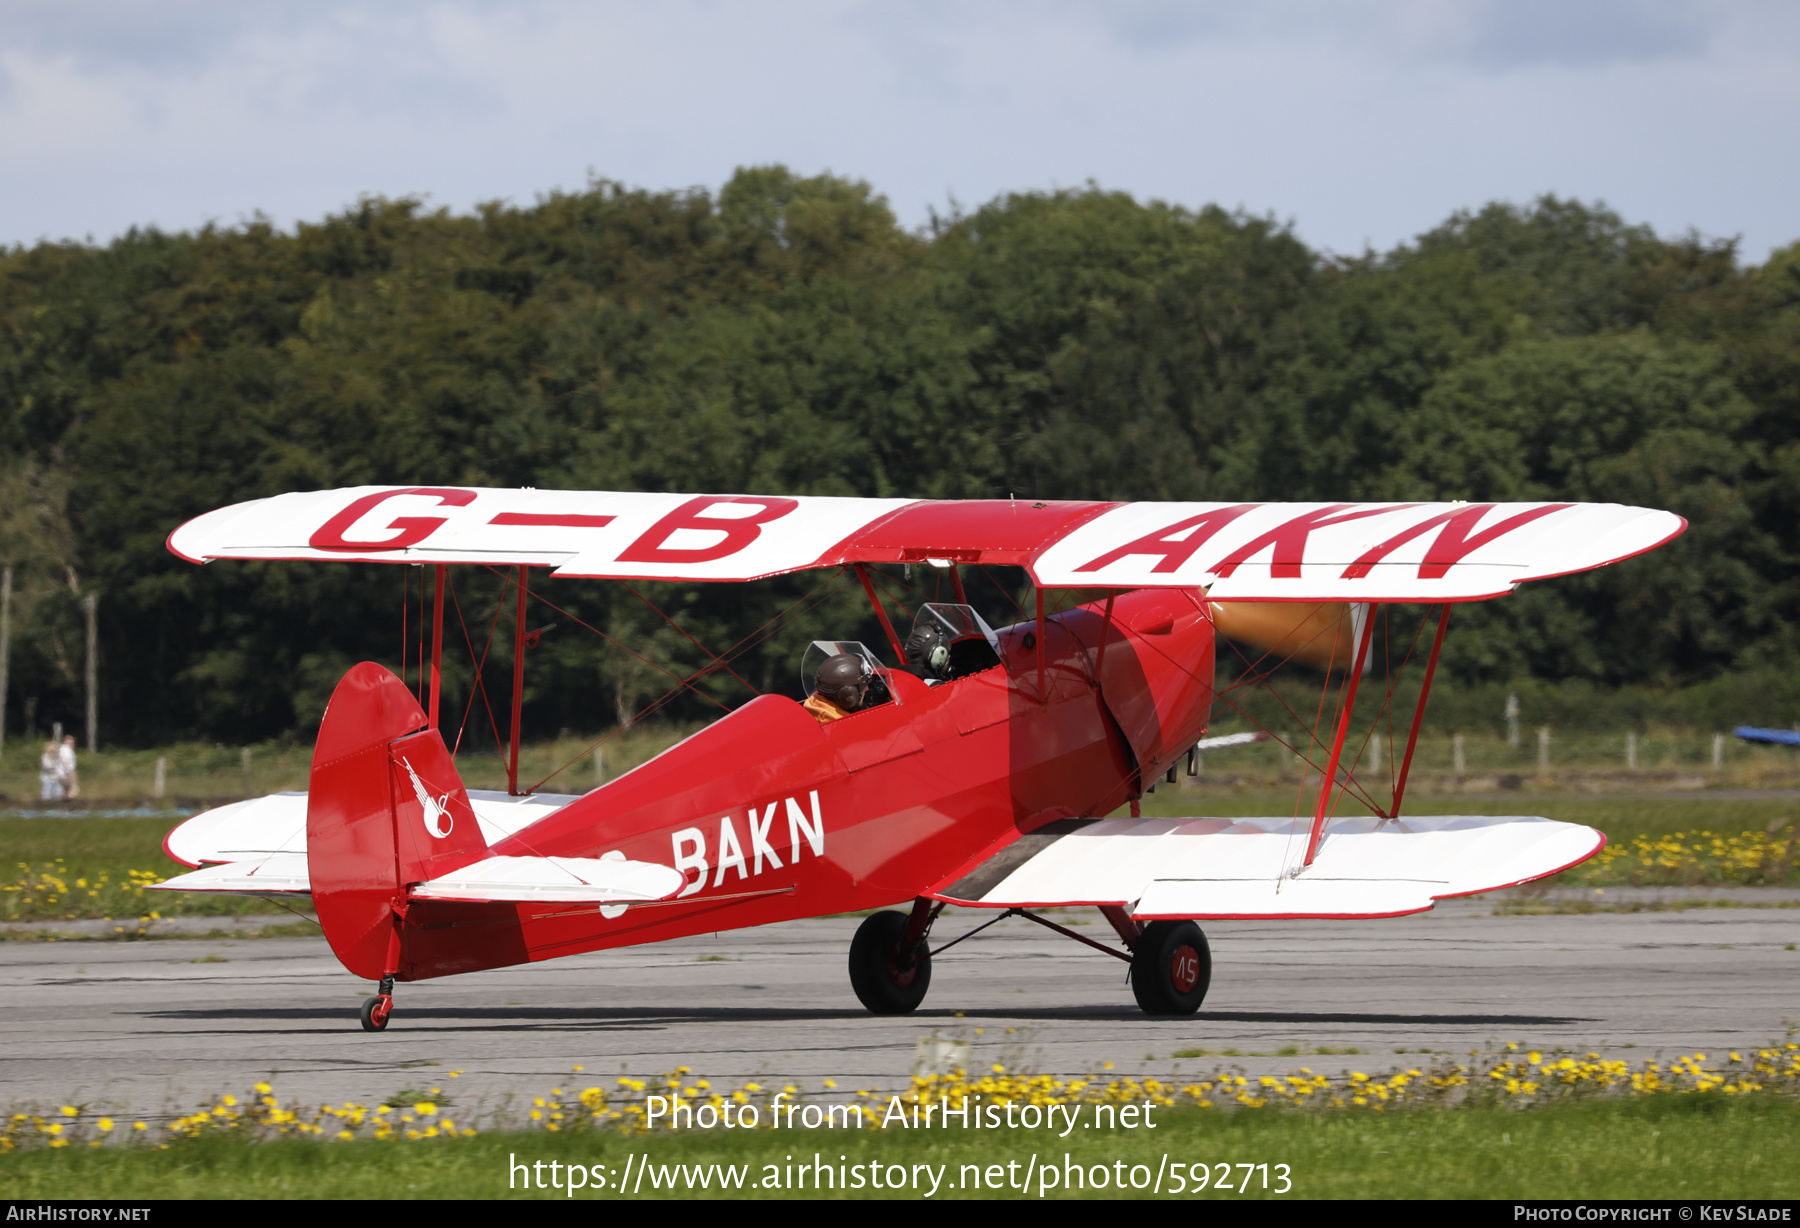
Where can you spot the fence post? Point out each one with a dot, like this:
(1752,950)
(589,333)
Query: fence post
(246,771)
(1718,761)
(1375,755)
(5,646)
(161,765)
(599,768)
(1631,752)
(93,673)
(1456,756)
(1543,750)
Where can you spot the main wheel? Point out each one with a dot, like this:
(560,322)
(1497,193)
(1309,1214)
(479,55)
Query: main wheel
(885,982)
(375,1012)
(1171,968)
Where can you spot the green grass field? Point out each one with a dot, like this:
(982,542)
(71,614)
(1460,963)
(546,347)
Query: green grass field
(1691,1146)
(1618,817)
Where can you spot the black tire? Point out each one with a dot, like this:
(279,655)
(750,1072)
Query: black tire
(876,973)
(1171,968)
(370,1022)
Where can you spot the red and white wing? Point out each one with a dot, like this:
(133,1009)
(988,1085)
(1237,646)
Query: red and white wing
(615,534)
(1234,869)
(1246,551)
(1348,551)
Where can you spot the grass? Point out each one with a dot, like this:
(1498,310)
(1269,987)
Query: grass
(1577,908)
(1619,817)
(71,869)
(1696,1146)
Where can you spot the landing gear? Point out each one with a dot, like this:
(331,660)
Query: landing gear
(887,979)
(375,1011)
(1171,968)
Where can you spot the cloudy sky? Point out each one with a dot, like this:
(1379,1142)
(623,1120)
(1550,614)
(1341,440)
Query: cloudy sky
(1362,122)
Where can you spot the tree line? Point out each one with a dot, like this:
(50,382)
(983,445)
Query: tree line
(785,334)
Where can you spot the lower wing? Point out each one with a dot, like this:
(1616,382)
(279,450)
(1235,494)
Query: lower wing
(1229,869)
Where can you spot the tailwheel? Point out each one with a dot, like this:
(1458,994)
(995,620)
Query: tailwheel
(375,1012)
(886,979)
(1171,968)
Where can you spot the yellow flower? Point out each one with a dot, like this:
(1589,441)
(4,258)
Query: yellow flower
(105,1124)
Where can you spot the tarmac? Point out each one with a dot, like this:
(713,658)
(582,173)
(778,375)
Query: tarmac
(159,1026)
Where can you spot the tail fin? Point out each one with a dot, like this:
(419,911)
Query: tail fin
(385,809)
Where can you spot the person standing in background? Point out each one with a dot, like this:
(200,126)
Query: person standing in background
(49,773)
(65,768)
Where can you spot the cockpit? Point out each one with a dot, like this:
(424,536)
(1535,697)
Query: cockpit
(947,642)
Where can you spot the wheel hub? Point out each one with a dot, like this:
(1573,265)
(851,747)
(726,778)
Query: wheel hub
(1184,968)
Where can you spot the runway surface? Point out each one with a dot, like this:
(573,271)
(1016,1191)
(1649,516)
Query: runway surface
(150,1027)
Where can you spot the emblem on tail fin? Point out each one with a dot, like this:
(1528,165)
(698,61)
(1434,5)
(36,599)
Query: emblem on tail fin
(435,807)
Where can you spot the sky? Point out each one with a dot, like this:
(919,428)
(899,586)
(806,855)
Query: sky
(1361,123)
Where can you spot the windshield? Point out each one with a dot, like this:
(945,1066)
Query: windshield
(820,651)
(950,641)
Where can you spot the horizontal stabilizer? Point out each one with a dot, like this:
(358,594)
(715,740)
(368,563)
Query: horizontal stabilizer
(1221,868)
(277,824)
(565,880)
(562,880)
(275,874)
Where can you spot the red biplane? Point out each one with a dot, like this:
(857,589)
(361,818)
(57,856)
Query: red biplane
(974,768)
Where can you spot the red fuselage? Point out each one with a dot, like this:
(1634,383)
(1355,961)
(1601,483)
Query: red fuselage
(772,816)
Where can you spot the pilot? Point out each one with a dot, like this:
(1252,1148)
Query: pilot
(928,653)
(842,687)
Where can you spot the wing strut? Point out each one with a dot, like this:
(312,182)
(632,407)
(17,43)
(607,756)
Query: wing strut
(1343,728)
(437,640)
(518,696)
(1043,696)
(862,573)
(1412,739)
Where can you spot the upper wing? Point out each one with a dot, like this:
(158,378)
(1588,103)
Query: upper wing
(1244,868)
(1243,551)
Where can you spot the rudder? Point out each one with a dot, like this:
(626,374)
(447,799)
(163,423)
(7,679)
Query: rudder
(385,809)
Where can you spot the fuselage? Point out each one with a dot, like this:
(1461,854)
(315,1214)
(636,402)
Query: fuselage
(771,815)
